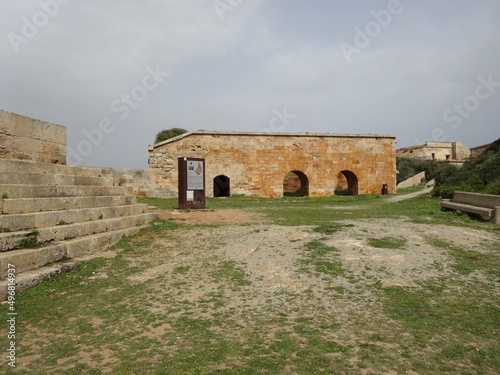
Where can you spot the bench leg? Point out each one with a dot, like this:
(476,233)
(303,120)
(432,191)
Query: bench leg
(496,216)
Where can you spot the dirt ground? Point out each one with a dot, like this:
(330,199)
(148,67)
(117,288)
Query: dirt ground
(270,253)
(228,216)
(234,266)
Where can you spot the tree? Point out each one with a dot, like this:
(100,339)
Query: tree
(169,133)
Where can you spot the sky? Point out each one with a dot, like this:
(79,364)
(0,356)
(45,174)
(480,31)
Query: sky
(117,72)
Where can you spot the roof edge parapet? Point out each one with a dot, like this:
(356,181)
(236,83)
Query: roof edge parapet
(269,134)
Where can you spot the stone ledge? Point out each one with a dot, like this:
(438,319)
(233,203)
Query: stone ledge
(262,134)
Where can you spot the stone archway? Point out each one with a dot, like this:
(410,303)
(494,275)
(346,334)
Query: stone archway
(222,186)
(296,184)
(352,182)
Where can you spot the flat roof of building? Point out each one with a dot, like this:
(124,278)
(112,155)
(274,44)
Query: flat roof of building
(269,134)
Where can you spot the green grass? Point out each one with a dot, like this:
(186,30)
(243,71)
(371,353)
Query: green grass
(321,260)
(330,229)
(469,261)
(467,333)
(229,272)
(304,210)
(30,241)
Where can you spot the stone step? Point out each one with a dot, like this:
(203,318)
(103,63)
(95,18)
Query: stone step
(27,205)
(22,178)
(32,259)
(18,222)
(34,277)
(33,167)
(46,191)
(150,191)
(14,240)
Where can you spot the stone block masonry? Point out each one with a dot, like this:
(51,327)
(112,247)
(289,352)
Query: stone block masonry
(23,138)
(258,163)
(50,211)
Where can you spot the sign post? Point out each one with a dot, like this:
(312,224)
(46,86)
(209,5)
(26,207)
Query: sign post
(191,183)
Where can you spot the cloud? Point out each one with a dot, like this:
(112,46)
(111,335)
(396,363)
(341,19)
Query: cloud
(233,72)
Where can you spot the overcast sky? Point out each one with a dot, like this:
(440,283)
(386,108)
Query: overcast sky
(117,72)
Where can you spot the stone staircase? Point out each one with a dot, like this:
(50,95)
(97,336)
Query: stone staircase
(52,212)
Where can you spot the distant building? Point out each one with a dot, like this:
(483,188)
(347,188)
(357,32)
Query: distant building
(479,150)
(445,152)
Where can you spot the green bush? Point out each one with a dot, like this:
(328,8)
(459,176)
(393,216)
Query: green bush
(479,175)
(408,167)
(169,133)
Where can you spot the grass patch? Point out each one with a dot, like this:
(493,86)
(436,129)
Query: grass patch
(464,332)
(229,271)
(330,229)
(295,211)
(413,189)
(182,270)
(321,259)
(31,240)
(469,261)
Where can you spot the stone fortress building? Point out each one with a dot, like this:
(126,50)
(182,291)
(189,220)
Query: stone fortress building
(277,164)
(451,152)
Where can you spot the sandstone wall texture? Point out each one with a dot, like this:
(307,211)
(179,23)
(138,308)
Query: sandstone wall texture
(479,150)
(257,163)
(23,138)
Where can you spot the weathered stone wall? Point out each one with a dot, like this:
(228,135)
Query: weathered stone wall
(23,138)
(257,163)
(479,150)
(460,151)
(440,151)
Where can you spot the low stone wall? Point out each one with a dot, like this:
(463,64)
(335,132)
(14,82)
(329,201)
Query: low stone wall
(23,138)
(412,181)
(142,183)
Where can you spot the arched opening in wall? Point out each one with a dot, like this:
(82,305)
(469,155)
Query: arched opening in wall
(222,186)
(342,186)
(348,183)
(295,184)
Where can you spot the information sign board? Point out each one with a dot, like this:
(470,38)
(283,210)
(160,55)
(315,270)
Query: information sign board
(191,183)
(195,175)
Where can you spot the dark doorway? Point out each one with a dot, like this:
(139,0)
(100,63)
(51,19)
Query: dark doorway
(295,184)
(352,182)
(222,186)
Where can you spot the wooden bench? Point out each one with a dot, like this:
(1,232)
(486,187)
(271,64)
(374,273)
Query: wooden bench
(474,203)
